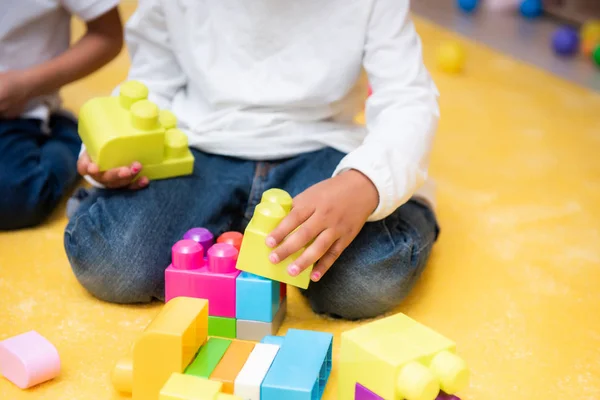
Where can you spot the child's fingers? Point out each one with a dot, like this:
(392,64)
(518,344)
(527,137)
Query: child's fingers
(293,220)
(139,183)
(314,252)
(83,164)
(327,260)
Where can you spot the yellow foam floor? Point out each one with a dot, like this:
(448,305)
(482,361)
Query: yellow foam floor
(513,279)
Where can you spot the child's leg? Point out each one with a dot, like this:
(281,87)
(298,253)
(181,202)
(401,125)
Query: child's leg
(378,269)
(35,169)
(119,241)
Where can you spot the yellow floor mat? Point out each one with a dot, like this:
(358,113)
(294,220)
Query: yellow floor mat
(513,278)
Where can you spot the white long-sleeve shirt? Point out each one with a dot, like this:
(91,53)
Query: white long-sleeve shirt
(266,79)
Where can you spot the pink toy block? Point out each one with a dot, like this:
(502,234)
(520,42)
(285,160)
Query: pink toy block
(190,275)
(28,359)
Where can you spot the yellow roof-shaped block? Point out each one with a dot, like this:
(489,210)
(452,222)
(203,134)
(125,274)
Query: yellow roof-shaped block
(119,130)
(254,253)
(399,358)
(190,387)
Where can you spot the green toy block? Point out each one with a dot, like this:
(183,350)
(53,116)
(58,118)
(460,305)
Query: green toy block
(119,130)
(221,326)
(254,253)
(208,357)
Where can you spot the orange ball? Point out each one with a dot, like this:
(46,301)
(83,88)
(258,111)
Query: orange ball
(587,47)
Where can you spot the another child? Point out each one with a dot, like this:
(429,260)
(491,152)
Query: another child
(39,144)
(266,91)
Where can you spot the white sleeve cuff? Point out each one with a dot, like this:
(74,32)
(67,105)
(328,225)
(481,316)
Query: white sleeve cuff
(89,10)
(375,163)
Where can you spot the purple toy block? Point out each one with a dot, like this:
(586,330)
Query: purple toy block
(190,276)
(362,393)
(445,396)
(202,236)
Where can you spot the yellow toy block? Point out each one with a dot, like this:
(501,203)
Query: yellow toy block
(398,358)
(189,387)
(275,204)
(119,130)
(167,345)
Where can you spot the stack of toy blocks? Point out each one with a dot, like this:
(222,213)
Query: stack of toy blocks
(119,130)
(175,359)
(242,305)
(398,358)
(246,292)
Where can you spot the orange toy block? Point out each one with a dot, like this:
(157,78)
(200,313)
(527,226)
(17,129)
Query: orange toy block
(231,364)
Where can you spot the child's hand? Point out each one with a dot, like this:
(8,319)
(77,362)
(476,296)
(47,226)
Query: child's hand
(14,93)
(330,213)
(114,178)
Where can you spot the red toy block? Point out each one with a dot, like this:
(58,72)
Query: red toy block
(282,291)
(233,238)
(190,275)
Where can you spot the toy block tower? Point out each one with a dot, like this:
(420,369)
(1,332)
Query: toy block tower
(126,128)
(242,305)
(254,253)
(398,358)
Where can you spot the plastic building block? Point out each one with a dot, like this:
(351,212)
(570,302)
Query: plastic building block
(282,292)
(248,382)
(257,298)
(398,358)
(231,364)
(190,275)
(221,326)
(202,236)
(233,238)
(188,387)
(276,340)
(28,359)
(446,396)
(254,253)
(301,367)
(208,357)
(166,346)
(256,330)
(362,393)
(119,130)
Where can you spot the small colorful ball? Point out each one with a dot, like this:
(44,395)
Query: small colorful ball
(588,46)
(591,31)
(451,57)
(467,6)
(565,41)
(531,8)
(596,56)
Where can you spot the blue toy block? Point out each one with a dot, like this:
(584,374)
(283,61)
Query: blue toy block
(301,367)
(257,298)
(277,340)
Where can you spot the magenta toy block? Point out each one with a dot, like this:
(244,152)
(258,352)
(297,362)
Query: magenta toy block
(202,236)
(362,393)
(190,276)
(28,359)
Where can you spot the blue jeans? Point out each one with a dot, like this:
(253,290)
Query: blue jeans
(119,242)
(36,169)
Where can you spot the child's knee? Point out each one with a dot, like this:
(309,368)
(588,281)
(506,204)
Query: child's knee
(103,264)
(21,206)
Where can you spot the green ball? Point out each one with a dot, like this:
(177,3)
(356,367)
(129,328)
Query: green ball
(596,55)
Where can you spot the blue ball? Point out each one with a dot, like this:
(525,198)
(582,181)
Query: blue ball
(565,41)
(531,8)
(467,6)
